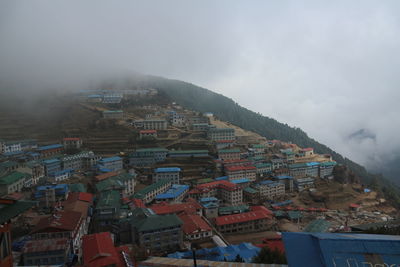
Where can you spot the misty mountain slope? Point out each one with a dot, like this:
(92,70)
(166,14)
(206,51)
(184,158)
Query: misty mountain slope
(203,100)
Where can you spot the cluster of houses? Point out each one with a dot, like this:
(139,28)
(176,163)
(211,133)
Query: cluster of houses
(159,216)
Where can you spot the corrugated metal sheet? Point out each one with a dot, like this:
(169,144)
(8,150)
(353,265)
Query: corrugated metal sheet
(334,250)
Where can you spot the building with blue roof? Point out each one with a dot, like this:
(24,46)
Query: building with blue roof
(210,205)
(287,180)
(51,166)
(48,195)
(229,253)
(46,151)
(175,193)
(269,189)
(171,173)
(332,250)
(222,178)
(111,163)
(61,175)
(243,182)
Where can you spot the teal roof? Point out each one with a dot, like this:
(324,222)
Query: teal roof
(77,188)
(13,177)
(250,190)
(109,184)
(8,164)
(262,165)
(317,226)
(188,151)
(328,163)
(142,193)
(298,165)
(8,212)
(153,149)
(233,150)
(257,146)
(156,222)
(232,209)
(109,198)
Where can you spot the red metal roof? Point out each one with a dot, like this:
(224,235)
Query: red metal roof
(194,223)
(242,217)
(138,203)
(147,131)
(82,196)
(99,250)
(354,205)
(71,139)
(239,168)
(61,221)
(190,207)
(308,149)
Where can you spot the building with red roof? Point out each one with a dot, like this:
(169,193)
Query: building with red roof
(67,223)
(258,219)
(191,206)
(104,176)
(195,227)
(147,133)
(239,172)
(99,250)
(226,191)
(44,252)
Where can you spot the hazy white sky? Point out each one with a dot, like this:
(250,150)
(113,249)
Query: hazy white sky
(328,67)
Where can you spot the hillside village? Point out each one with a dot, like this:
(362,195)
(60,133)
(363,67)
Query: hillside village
(147,177)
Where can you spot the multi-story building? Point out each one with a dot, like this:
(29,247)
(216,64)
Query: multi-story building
(221,144)
(154,124)
(210,206)
(229,154)
(190,206)
(35,169)
(278,162)
(62,175)
(269,189)
(171,173)
(10,147)
(258,219)
(188,153)
(48,195)
(263,168)
(75,161)
(203,127)
(155,233)
(113,98)
(47,252)
(111,163)
(113,114)
(326,169)
(240,172)
(72,142)
(198,120)
(13,182)
(147,156)
(176,119)
(286,180)
(195,227)
(257,150)
(143,134)
(46,151)
(306,152)
(124,182)
(304,183)
(148,193)
(176,193)
(63,224)
(107,210)
(216,134)
(224,190)
(309,169)
(51,166)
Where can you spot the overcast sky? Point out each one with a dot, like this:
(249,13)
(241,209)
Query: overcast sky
(328,67)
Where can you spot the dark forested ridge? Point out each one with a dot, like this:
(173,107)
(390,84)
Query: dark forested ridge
(204,100)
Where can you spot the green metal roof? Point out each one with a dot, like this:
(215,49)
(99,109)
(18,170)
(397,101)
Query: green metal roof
(234,150)
(231,209)
(298,165)
(109,184)
(328,163)
(153,149)
(77,188)
(262,165)
(8,164)
(205,180)
(142,193)
(294,214)
(250,190)
(317,226)
(155,222)
(10,211)
(188,151)
(109,198)
(257,146)
(13,177)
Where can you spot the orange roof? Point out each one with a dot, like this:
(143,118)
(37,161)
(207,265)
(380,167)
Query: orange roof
(239,168)
(308,149)
(82,196)
(257,214)
(223,184)
(194,223)
(147,131)
(189,207)
(64,220)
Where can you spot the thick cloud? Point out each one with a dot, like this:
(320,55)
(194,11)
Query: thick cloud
(329,67)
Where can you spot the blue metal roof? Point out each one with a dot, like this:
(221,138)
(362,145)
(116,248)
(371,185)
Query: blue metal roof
(240,181)
(245,250)
(170,169)
(208,199)
(312,164)
(329,250)
(50,161)
(175,191)
(110,159)
(49,147)
(282,177)
(57,173)
(221,178)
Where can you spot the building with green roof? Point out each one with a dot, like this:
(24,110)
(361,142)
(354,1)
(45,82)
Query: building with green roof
(107,211)
(80,188)
(317,226)
(229,154)
(157,233)
(13,182)
(124,182)
(148,193)
(146,157)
